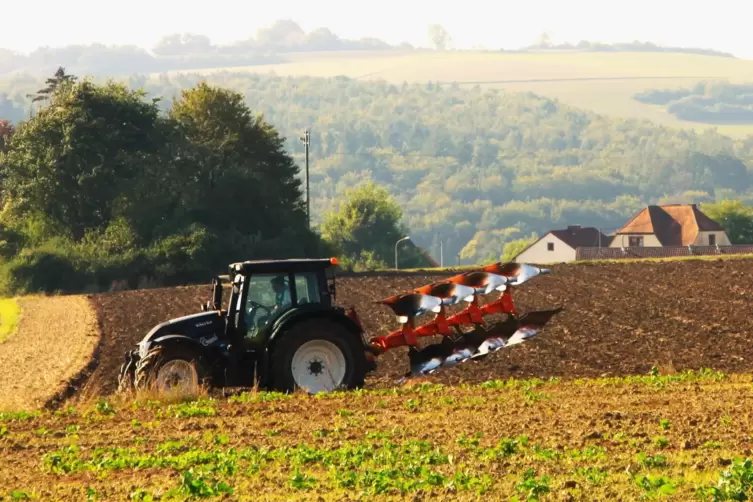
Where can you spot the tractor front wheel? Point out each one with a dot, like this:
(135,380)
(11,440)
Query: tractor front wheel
(317,355)
(171,368)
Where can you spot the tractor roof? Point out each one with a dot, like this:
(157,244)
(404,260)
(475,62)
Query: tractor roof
(274,266)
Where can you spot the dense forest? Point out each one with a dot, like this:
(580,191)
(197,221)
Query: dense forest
(475,168)
(709,102)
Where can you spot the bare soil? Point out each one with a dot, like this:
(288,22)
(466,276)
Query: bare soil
(619,318)
(56,338)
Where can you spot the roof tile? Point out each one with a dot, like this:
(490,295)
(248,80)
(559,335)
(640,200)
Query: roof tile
(577,236)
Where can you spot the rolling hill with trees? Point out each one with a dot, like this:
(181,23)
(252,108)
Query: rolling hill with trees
(477,168)
(588,74)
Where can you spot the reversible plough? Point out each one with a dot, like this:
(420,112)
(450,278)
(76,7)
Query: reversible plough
(458,346)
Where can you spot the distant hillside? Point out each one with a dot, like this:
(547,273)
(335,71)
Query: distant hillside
(476,167)
(585,45)
(185,51)
(601,81)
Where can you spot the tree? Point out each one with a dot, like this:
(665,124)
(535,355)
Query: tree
(6,131)
(75,160)
(544,40)
(513,248)
(183,44)
(235,176)
(60,78)
(736,218)
(439,36)
(366,226)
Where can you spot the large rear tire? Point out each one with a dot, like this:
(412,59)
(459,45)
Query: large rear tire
(317,355)
(172,368)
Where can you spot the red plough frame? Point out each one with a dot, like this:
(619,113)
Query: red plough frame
(466,287)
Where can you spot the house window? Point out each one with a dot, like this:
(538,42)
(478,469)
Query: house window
(712,240)
(550,246)
(635,242)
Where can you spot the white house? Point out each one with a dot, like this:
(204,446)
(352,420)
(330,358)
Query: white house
(559,246)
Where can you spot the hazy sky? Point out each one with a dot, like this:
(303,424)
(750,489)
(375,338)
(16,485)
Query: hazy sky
(722,24)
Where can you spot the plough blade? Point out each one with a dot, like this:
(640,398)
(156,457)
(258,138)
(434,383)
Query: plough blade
(476,345)
(450,293)
(410,305)
(482,283)
(517,273)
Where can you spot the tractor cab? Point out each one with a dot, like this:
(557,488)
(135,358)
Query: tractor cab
(265,291)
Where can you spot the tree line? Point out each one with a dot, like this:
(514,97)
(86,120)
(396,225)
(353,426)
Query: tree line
(476,168)
(101,185)
(706,102)
(188,51)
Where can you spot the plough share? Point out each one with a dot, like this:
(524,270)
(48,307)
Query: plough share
(457,346)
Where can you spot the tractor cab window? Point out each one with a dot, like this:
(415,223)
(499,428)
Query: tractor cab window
(268,295)
(307,288)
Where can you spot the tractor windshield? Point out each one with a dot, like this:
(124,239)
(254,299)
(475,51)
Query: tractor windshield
(271,294)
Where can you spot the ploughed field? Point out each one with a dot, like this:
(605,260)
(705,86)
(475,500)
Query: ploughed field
(619,318)
(627,438)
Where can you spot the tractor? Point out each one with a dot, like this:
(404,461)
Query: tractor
(281,330)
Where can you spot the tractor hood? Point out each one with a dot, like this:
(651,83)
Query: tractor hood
(194,326)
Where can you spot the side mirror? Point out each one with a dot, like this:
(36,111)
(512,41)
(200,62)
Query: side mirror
(216,295)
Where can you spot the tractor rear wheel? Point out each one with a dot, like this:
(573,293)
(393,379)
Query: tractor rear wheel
(171,368)
(318,355)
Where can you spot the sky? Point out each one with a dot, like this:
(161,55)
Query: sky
(721,25)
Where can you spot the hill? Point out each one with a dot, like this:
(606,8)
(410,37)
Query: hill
(603,82)
(475,167)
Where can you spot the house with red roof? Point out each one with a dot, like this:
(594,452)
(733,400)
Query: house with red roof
(655,232)
(668,226)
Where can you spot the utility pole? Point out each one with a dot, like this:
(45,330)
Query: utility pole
(306,140)
(441,254)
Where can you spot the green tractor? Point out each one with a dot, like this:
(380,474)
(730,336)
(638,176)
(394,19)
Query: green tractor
(280,330)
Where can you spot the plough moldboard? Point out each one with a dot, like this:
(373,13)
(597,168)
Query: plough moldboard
(457,346)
